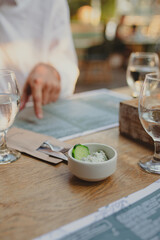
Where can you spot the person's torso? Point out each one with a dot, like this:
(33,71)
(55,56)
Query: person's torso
(23,36)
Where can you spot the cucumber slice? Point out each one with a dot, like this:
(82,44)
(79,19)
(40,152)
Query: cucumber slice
(79,151)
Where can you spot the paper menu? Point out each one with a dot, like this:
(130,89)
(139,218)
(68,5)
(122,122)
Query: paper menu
(135,217)
(82,114)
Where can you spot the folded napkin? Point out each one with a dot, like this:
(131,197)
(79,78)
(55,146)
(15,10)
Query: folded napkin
(28,142)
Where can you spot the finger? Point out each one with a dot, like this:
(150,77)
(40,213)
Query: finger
(46,95)
(37,97)
(25,96)
(50,93)
(54,93)
(54,96)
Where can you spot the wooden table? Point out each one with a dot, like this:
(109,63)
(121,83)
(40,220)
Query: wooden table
(36,197)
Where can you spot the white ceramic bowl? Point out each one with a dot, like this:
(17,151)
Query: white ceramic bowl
(90,171)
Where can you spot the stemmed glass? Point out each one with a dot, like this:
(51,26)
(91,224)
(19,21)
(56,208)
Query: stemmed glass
(149,114)
(9,106)
(140,63)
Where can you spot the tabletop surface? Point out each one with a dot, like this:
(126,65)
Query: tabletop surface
(37,197)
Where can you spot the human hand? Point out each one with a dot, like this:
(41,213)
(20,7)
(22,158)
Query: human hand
(43,83)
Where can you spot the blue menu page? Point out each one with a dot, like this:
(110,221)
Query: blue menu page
(79,115)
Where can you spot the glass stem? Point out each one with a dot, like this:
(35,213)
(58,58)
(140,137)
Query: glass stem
(156,156)
(3,146)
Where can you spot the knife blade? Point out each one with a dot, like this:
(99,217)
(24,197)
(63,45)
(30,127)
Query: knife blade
(53,153)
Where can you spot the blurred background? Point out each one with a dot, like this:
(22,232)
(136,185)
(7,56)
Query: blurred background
(105,32)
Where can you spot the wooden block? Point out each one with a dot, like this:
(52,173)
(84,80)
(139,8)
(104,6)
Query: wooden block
(130,125)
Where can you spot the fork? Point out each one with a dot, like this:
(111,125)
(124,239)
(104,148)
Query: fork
(54,148)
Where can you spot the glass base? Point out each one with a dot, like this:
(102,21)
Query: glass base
(9,156)
(150,165)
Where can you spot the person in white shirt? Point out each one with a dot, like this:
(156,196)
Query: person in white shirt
(36,43)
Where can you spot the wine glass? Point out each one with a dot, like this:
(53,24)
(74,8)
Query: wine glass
(149,114)
(140,63)
(9,106)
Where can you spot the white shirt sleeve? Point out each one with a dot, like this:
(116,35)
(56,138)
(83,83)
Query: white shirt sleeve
(61,52)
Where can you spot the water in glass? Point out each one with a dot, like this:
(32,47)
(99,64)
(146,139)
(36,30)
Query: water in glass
(9,106)
(149,114)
